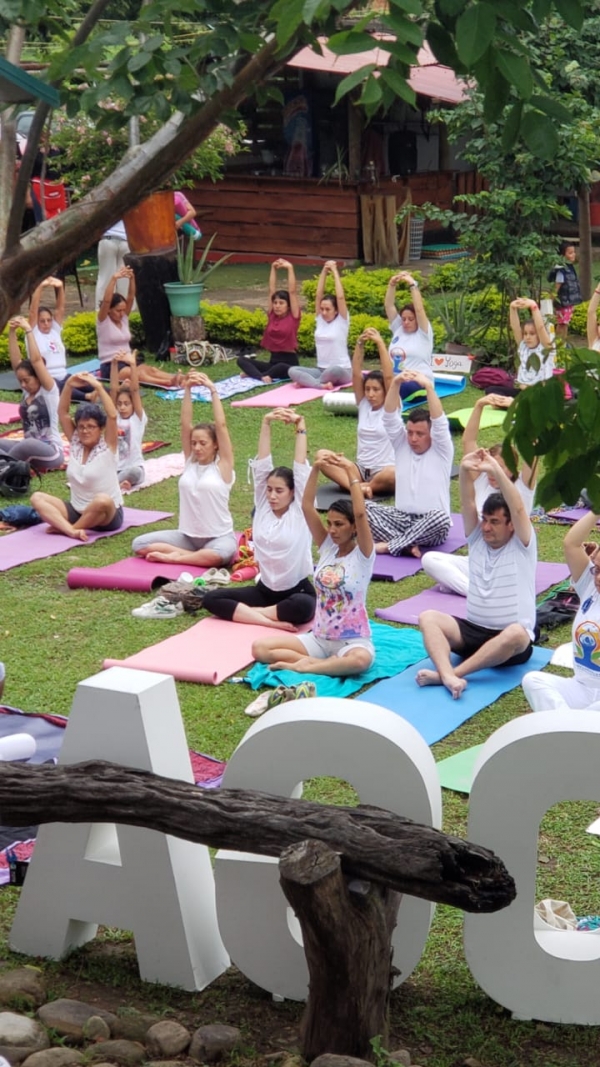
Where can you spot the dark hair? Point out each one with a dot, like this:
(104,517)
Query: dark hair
(496,450)
(495,502)
(44,308)
(285,473)
(343,507)
(562,248)
(123,390)
(117,298)
(283,295)
(407,307)
(333,299)
(374,376)
(210,429)
(90,411)
(530,322)
(419,415)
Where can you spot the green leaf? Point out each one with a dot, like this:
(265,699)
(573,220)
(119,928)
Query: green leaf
(399,84)
(539,134)
(474,32)
(138,61)
(540,9)
(412,7)
(553,108)
(371,94)
(516,70)
(351,43)
(289,14)
(452,7)
(411,32)
(571,11)
(442,46)
(151,44)
(310,10)
(497,92)
(516,14)
(352,80)
(512,124)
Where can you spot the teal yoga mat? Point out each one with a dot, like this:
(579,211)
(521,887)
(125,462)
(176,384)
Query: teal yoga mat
(456,772)
(431,709)
(394,650)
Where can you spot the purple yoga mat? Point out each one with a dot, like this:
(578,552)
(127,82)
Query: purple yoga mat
(133,574)
(394,568)
(408,610)
(571,515)
(34,543)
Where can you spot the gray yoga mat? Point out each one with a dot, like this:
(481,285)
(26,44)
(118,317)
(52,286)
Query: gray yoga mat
(8,381)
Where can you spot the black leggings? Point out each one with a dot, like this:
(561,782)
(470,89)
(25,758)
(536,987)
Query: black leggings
(277,367)
(295,605)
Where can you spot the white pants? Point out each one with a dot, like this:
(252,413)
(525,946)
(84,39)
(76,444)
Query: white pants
(551,692)
(450,572)
(110,259)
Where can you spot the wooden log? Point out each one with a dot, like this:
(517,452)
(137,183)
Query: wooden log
(187,328)
(347,929)
(151,271)
(374,844)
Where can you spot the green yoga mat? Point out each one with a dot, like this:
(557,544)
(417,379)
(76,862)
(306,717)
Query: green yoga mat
(456,772)
(489,417)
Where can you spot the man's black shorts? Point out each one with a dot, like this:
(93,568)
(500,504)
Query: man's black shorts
(474,636)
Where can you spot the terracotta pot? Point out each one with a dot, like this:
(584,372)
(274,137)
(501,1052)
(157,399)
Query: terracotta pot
(150,226)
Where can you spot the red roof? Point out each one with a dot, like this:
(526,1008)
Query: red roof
(428,78)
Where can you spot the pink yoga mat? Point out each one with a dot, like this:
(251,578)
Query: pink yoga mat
(207,652)
(9,413)
(133,574)
(285,396)
(408,611)
(394,568)
(34,543)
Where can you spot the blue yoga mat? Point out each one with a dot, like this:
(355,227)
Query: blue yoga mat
(89,365)
(394,651)
(431,709)
(442,389)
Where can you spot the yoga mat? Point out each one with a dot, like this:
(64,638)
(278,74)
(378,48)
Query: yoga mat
(207,652)
(226,387)
(328,493)
(157,470)
(89,366)
(563,656)
(9,381)
(134,574)
(34,543)
(443,387)
(408,610)
(570,515)
(394,568)
(284,396)
(394,650)
(489,417)
(431,709)
(456,772)
(9,413)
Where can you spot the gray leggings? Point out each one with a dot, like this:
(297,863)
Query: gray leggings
(42,455)
(133,475)
(225,546)
(312,377)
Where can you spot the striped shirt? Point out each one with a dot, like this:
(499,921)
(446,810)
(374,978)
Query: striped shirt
(501,583)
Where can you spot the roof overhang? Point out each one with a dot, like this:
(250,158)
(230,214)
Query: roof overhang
(19,87)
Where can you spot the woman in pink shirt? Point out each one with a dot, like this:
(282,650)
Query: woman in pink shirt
(280,338)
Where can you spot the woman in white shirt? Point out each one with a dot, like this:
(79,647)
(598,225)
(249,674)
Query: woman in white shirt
(284,596)
(533,340)
(41,445)
(131,422)
(331,337)
(411,347)
(204,536)
(47,330)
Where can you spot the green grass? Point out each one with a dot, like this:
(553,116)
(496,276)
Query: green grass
(51,638)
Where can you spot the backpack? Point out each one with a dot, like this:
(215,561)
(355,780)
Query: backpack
(487,376)
(558,609)
(15,476)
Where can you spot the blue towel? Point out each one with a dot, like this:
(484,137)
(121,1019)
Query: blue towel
(394,651)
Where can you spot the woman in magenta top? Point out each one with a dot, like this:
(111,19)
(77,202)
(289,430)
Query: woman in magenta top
(280,338)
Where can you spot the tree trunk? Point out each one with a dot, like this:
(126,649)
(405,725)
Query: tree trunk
(187,328)
(585,241)
(347,929)
(151,272)
(374,844)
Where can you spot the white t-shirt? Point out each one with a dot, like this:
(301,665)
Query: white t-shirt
(131,435)
(374,448)
(417,347)
(341,583)
(97,475)
(529,375)
(204,500)
(586,632)
(483,489)
(331,342)
(501,583)
(52,350)
(422,481)
(282,544)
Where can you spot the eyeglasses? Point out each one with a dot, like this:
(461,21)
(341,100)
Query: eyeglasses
(595,571)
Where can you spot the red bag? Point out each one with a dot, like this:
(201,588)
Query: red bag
(495,376)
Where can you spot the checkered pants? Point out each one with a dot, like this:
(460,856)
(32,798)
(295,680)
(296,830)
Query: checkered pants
(400,530)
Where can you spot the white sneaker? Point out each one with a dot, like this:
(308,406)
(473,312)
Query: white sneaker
(159,608)
(258,706)
(216,576)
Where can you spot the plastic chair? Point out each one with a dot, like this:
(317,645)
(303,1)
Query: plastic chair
(54,198)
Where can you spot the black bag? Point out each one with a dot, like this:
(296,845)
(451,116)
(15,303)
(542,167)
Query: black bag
(558,609)
(15,476)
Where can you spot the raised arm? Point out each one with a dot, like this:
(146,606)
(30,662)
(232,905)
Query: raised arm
(577,547)
(14,351)
(540,325)
(187,418)
(34,305)
(133,383)
(59,291)
(468,472)
(43,374)
(364,537)
(339,288)
(321,286)
(392,397)
(64,405)
(311,515)
(273,280)
(111,433)
(124,272)
(518,512)
(592,318)
(416,299)
(433,401)
(390,298)
(358,359)
(471,431)
(223,439)
(187,214)
(514,320)
(292,288)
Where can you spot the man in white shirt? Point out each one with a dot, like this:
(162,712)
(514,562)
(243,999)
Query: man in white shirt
(502,562)
(423,452)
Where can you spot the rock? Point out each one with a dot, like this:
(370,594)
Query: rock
(17,1031)
(167,1038)
(330,1059)
(68,1017)
(22,988)
(400,1055)
(55,1057)
(471,1061)
(125,1053)
(210,1043)
(96,1029)
(14,1054)
(133,1026)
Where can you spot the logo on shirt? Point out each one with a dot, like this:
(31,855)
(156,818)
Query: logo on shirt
(586,645)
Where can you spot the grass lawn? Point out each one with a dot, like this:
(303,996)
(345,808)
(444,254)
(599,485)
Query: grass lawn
(51,638)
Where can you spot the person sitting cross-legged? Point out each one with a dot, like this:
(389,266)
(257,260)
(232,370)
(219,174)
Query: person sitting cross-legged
(500,625)
(423,453)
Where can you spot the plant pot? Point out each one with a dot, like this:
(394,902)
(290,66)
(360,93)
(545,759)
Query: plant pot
(184,300)
(150,226)
(454,349)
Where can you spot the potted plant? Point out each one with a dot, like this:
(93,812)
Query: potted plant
(462,323)
(184,295)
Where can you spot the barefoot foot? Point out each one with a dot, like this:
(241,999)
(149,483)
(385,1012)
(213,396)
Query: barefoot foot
(125,486)
(427,677)
(366,490)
